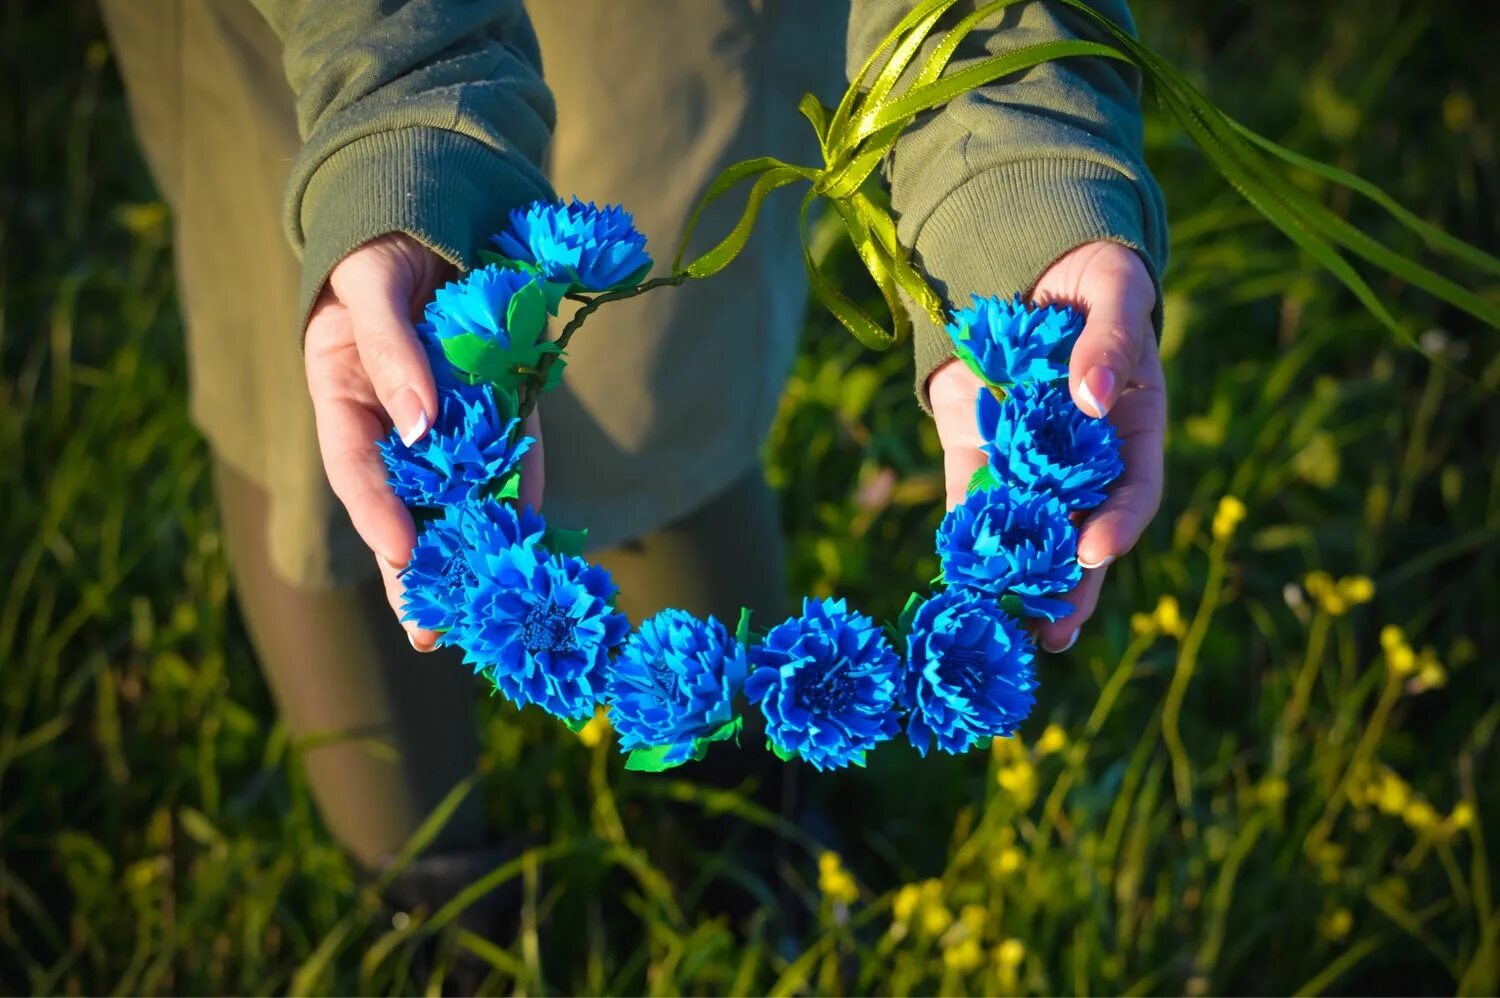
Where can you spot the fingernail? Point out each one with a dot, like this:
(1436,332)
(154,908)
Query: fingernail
(1104,383)
(409,415)
(411,639)
(1098,564)
(1072,639)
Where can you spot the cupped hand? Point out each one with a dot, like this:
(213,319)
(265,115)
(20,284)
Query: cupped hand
(1114,371)
(367,373)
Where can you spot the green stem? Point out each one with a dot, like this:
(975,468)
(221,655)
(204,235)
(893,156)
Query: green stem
(591,303)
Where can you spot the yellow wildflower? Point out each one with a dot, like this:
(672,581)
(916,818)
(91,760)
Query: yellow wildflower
(1227,517)
(1393,795)
(964,957)
(974,918)
(1462,816)
(1419,815)
(1391,637)
(1142,623)
(935,919)
(1430,672)
(1318,584)
(1271,792)
(1053,740)
(1019,780)
(904,905)
(1168,617)
(1356,589)
(593,733)
(1008,861)
(1010,953)
(1337,924)
(834,881)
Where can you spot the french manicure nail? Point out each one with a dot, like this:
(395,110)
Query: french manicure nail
(410,416)
(1098,564)
(1104,383)
(1059,650)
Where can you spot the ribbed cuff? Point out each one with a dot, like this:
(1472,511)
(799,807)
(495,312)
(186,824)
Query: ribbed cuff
(999,231)
(446,190)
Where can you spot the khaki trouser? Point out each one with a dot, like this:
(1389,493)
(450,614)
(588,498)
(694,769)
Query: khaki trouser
(653,436)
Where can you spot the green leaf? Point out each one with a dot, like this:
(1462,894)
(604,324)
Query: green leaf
(982,479)
(1011,604)
(742,632)
(726,180)
(723,733)
(577,724)
(526,315)
(651,760)
(729,247)
(511,488)
(559,540)
(555,292)
(913,604)
(785,755)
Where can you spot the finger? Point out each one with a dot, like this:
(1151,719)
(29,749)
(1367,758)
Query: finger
(1141,419)
(422,640)
(376,290)
(954,392)
(533,468)
(348,427)
(1059,635)
(1104,359)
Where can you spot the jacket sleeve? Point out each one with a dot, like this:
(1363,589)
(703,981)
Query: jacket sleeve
(425,117)
(993,187)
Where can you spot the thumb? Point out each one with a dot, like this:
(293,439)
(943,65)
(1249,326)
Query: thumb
(376,288)
(1114,335)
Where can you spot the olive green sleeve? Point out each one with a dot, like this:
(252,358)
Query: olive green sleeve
(995,186)
(425,117)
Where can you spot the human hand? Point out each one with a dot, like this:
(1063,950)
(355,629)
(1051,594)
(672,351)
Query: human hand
(367,373)
(1114,370)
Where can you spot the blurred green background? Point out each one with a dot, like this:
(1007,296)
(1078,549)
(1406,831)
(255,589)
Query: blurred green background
(1267,766)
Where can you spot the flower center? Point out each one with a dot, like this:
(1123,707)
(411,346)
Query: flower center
(458,575)
(548,628)
(827,694)
(665,687)
(965,667)
(1053,437)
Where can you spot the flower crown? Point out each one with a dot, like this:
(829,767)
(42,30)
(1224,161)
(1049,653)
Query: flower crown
(536,619)
(539,621)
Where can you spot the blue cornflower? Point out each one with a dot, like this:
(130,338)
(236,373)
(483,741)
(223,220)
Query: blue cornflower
(968,672)
(1007,539)
(1008,342)
(478,304)
(577,244)
(674,684)
(438,576)
(1038,439)
(541,626)
(827,682)
(468,449)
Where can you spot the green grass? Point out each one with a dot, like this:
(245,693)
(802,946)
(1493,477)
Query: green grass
(1229,807)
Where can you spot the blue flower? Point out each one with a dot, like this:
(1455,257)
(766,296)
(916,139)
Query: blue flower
(1007,539)
(1007,341)
(1037,439)
(968,672)
(827,682)
(478,304)
(437,578)
(674,683)
(541,627)
(469,449)
(578,244)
